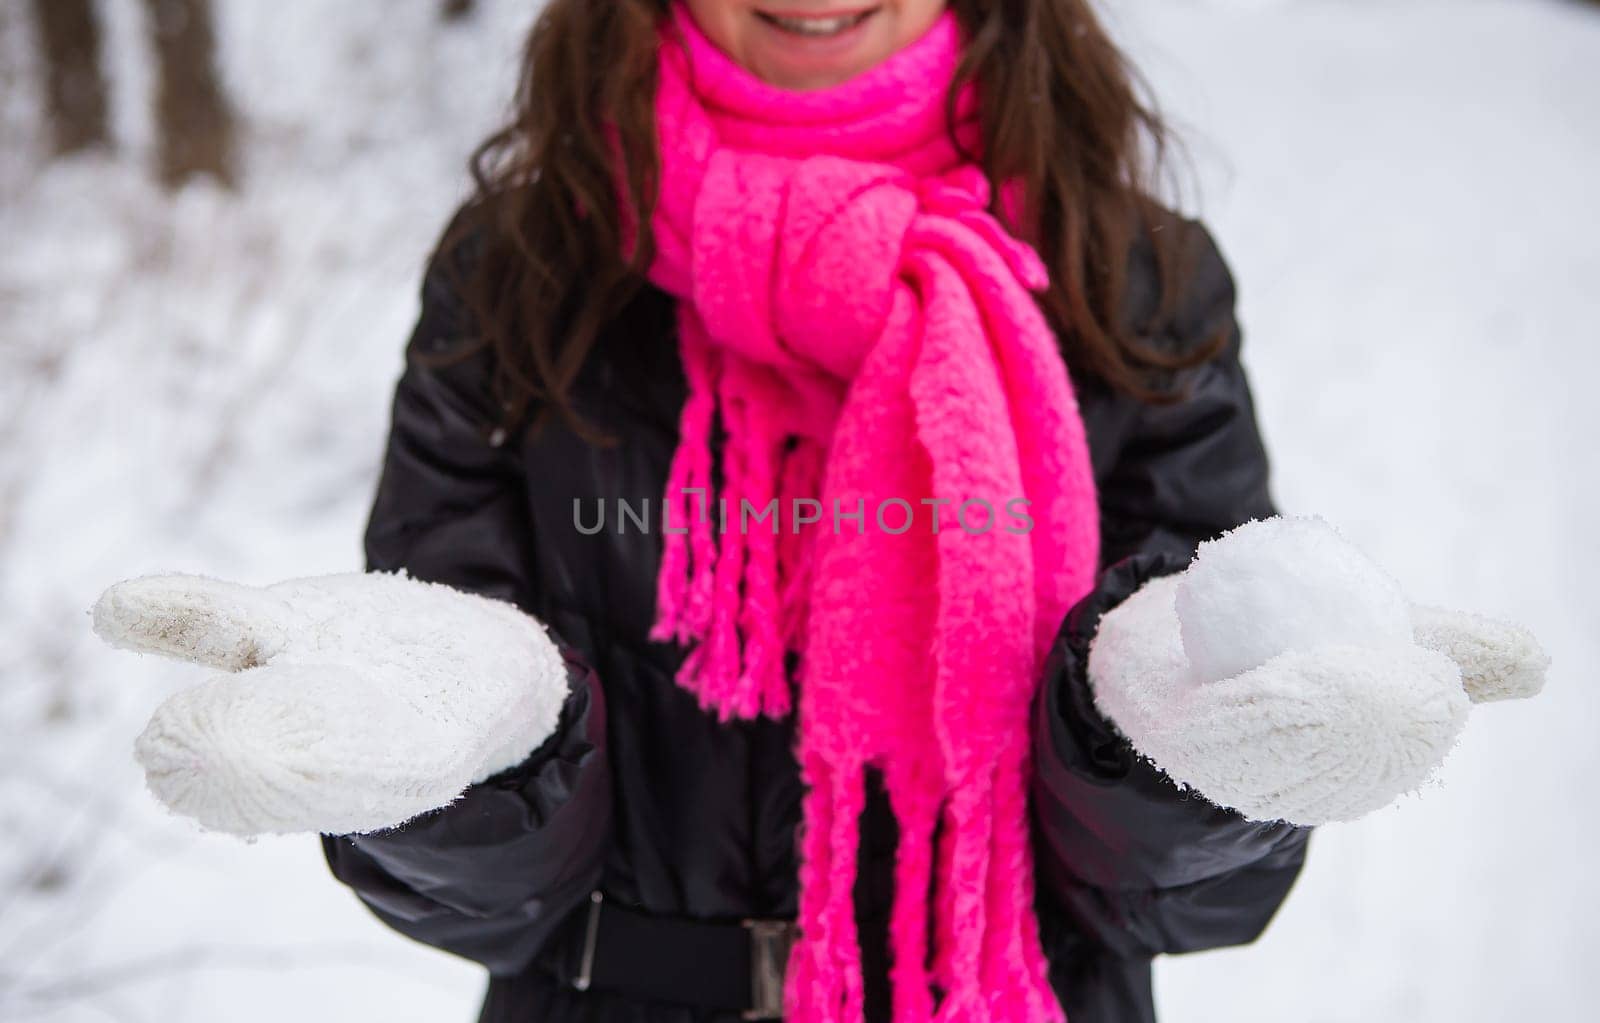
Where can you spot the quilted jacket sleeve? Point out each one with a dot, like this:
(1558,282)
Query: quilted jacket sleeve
(1133,866)
(492,875)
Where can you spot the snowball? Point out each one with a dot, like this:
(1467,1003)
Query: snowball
(1280,584)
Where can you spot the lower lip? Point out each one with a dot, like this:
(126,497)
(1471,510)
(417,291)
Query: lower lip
(808,47)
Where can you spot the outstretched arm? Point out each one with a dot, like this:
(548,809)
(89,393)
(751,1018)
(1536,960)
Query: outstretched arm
(450,748)
(1272,673)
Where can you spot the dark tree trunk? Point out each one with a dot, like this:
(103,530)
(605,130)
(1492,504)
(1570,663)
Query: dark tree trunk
(193,120)
(74,88)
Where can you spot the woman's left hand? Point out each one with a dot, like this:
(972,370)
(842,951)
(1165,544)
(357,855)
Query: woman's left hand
(1286,676)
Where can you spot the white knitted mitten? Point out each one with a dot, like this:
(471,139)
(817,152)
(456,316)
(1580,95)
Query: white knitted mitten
(1284,675)
(353,702)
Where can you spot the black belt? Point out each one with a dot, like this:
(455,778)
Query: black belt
(736,966)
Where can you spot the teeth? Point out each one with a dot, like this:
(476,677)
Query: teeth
(816,26)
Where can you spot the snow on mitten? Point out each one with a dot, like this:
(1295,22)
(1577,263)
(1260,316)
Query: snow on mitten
(352,702)
(1284,675)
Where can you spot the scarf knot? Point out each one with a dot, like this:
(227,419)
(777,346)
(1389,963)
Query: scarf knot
(794,261)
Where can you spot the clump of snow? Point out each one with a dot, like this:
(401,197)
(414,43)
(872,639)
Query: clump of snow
(1280,584)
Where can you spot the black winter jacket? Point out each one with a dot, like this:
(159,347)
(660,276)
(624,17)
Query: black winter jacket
(644,796)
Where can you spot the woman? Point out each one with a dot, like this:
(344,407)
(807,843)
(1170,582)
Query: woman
(861,324)
(703,813)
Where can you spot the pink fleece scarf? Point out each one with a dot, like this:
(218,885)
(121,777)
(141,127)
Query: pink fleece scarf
(862,330)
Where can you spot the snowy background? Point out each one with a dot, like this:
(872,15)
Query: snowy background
(200,382)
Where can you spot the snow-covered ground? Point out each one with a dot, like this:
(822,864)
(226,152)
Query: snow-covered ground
(201,382)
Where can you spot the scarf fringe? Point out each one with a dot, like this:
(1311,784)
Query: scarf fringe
(824,981)
(683,592)
(917,818)
(728,578)
(989,967)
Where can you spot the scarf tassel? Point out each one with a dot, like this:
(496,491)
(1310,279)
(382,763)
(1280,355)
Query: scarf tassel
(683,585)
(989,966)
(823,982)
(726,577)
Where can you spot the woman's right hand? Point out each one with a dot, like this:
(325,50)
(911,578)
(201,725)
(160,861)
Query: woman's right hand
(349,703)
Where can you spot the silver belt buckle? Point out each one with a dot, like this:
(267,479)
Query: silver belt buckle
(770,942)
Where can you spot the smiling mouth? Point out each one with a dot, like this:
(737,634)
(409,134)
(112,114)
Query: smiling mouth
(816,26)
